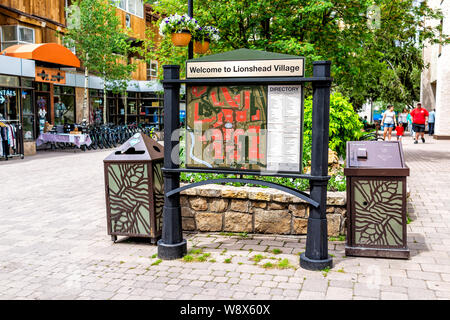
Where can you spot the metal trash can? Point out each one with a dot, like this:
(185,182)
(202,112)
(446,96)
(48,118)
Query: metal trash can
(134,189)
(376,199)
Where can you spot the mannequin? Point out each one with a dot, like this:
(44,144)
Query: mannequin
(42,113)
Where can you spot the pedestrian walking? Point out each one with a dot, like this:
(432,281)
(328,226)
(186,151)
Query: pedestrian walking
(403,119)
(399,130)
(419,120)
(431,121)
(410,128)
(388,122)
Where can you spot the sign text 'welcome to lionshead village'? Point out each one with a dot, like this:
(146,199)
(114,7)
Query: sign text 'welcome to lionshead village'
(236,69)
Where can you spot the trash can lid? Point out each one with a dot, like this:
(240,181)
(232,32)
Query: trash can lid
(139,147)
(375,154)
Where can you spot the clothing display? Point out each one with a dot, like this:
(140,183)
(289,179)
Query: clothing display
(10,139)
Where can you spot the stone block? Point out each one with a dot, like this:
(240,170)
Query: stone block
(239,205)
(212,191)
(259,195)
(238,222)
(298,210)
(334,224)
(341,210)
(188,224)
(336,198)
(282,197)
(272,221)
(277,206)
(258,204)
(299,225)
(208,221)
(187,212)
(238,193)
(189,192)
(218,205)
(198,204)
(184,201)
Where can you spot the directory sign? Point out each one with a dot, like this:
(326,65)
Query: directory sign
(244,127)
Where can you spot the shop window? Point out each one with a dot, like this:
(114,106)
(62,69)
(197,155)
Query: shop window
(96,106)
(135,7)
(152,70)
(9,108)
(64,105)
(11,35)
(28,115)
(9,81)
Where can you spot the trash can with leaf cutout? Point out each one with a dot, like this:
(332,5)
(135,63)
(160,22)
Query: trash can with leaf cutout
(134,189)
(376,199)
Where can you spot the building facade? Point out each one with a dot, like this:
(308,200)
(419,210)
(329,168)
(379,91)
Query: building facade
(435,80)
(32,79)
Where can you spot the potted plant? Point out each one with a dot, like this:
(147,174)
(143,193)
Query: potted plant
(203,36)
(179,28)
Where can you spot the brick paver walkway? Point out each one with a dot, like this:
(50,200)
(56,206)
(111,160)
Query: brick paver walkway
(53,244)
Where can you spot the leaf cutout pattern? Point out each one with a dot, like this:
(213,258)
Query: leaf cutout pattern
(378,212)
(158,193)
(129,199)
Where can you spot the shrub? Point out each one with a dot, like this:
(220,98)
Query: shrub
(344,124)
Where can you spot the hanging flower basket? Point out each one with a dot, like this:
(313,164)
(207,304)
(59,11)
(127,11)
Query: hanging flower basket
(203,36)
(179,28)
(181,39)
(201,46)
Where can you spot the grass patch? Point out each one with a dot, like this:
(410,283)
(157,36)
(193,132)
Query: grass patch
(338,238)
(156,262)
(195,251)
(188,258)
(212,260)
(230,234)
(122,262)
(284,264)
(341,270)
(276,251)
(268,265)
(228,260)
(223,252)
(257,258)
(325,271)
(154,256)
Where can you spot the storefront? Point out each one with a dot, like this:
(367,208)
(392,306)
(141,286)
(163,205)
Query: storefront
(39,84)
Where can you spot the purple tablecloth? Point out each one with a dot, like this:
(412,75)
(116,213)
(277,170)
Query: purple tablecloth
(77,139)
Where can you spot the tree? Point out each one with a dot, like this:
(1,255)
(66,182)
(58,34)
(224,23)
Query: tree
(374,45)
(101,44)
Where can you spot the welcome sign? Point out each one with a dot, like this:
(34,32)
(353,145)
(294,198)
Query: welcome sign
(252,68)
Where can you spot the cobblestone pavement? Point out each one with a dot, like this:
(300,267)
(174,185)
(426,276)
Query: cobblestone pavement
(54,245)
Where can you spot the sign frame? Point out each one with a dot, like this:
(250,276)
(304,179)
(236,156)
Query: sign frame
(255,171)
(231,64)
(172,245)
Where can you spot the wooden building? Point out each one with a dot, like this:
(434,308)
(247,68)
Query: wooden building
(28,27)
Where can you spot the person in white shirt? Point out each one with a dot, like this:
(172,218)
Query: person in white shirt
(389,122)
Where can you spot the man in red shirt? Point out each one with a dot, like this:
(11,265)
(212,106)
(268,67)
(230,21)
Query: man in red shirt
(419,120)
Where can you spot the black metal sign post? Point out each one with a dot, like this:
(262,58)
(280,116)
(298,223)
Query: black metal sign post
(316,255)
(172,245)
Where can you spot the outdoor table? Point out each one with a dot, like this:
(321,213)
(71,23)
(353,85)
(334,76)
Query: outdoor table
(77,139)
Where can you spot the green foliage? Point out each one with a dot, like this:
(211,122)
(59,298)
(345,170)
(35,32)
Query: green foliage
(344,123)
(95,31)
(156,262)
(372,58)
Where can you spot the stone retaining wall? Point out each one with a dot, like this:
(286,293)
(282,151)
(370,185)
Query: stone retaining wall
(254,210)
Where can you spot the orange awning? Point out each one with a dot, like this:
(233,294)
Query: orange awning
(47,52)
